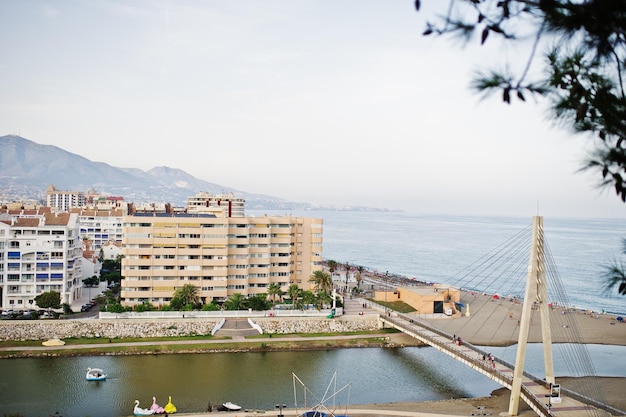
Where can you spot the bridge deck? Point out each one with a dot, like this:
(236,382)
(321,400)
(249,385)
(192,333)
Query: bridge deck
(535,392)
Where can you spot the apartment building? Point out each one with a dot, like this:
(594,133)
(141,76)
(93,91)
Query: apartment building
(220,255)
(40,251)
(100,226)
(63,200)
(227,203)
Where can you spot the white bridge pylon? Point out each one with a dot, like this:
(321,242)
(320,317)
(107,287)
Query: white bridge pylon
(536,293)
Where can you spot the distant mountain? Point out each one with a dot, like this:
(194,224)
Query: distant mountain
(27,168)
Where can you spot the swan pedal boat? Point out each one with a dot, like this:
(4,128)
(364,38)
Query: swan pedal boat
(95,374)
(138,411)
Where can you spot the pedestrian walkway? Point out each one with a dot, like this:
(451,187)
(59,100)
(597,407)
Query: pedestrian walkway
(237,328)
(192,342)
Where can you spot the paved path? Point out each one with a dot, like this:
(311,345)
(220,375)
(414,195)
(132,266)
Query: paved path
(191,342)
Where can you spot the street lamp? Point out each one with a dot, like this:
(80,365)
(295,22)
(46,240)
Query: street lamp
(386,289)
(280,409)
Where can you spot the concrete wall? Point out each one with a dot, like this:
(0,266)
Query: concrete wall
(110,329)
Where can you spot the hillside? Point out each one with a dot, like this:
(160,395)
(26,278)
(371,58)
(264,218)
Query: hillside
(27,168)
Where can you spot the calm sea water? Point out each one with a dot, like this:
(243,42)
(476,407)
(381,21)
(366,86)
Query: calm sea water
(440,248)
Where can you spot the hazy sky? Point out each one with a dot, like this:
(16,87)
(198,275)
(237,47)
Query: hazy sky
(329,102)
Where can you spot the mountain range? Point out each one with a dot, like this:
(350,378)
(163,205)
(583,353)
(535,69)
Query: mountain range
(28,168)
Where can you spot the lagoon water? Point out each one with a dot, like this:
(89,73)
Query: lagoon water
(430,248)
(38,387)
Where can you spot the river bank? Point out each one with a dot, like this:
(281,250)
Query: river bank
(496,404)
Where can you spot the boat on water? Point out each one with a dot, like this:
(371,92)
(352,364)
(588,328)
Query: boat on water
(95,374)
(169,407)
(156,408)
(138,411)
(228,406)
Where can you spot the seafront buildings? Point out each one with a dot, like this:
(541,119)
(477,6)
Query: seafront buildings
(220,255)
(40,251)
(209,243)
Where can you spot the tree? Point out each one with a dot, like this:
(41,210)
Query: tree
(332,266)
(359,275)
(273,290)
(185,297)
(258,302)
(294,292)
(615,275)
(308,298)
(235,302)
(322,298)
(322,281)
(50,299)
(112,270)
(92,281)
(581,76)
(212,306)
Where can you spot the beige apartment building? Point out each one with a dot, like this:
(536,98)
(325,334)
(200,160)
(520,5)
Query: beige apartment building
(205,202)
(220,255)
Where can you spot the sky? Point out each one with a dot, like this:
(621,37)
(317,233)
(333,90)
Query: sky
(339,103)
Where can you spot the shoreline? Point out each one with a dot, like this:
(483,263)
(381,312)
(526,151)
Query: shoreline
(495,404)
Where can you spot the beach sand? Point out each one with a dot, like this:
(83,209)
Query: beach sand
(494,322)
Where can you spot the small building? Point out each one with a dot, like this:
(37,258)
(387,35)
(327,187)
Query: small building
(431,299)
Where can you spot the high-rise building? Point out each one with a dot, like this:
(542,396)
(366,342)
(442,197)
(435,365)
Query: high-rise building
(40,251)
(227,203)
(64,200)
(220,255)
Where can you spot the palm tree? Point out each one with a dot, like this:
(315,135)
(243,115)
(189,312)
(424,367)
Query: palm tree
(332,266)
(235,302)
(308,298)
(322,281)
(294,292)
(323,298)
(274,290)
(359,276)
(188,295)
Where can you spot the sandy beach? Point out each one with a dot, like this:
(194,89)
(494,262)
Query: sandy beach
(495,322)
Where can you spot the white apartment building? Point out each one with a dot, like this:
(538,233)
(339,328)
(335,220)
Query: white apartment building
(40,251)
(64,200)
(100,226)
(220,255)
(227,203)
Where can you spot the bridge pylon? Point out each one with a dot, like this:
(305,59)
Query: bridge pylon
(536,294)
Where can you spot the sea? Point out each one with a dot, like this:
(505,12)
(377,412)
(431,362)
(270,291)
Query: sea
(440,248)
